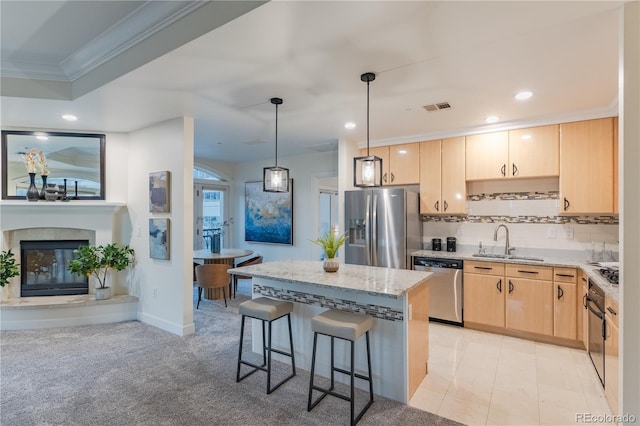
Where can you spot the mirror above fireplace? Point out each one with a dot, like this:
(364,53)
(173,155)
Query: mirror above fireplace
(77,157)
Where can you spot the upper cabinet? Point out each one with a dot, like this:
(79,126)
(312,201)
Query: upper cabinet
(442,176)
(523,153)
(400,163)
(487,156)
(534,152)
(586,167)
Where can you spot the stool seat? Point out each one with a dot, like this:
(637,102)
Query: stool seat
(265,309)
(342,324)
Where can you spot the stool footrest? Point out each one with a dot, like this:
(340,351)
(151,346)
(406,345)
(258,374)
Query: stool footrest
(348,373)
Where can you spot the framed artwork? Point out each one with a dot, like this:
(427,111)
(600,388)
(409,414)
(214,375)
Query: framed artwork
(159,238)
(268,216)
(159,192)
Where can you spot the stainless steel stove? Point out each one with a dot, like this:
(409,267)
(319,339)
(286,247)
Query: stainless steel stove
(611,274)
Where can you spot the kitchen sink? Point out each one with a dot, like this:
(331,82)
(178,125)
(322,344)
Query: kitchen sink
(509,257)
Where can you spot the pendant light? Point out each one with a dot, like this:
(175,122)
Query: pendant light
(275,179)
(367,171)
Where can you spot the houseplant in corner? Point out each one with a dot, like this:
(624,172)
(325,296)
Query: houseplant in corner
(331,242)
(8,268)
(99,261)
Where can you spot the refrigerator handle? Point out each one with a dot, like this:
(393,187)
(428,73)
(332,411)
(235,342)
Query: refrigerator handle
(374,232)
(367,230)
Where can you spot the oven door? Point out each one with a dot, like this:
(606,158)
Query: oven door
(596,338)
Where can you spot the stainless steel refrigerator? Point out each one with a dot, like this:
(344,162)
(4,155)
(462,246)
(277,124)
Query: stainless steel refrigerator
(383,226)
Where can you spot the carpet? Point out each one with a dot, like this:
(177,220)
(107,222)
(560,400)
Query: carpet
(132,373)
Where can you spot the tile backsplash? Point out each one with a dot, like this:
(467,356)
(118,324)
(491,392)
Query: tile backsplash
(533,223)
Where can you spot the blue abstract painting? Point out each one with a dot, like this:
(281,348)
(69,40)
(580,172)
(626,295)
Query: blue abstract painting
(268,216)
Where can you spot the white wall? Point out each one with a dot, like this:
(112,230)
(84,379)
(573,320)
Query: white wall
(306,172)
(629,402)
(165,287)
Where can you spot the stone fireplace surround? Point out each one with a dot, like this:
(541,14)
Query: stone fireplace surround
(95,221)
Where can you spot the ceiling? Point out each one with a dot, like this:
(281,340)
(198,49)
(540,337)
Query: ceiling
(144,62)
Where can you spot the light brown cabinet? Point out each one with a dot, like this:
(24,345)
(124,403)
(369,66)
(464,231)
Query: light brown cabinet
(487,156)
(611,354)
(564,303)
(400,163)
(484,293)
(616,194)
(442,176)
(586,167)
(534,152)
(522,153)
(529,302)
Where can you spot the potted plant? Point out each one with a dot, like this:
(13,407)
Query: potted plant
(98,261)
(8,267)
(331,242)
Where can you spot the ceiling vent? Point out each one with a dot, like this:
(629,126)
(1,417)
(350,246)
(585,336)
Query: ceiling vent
(438,106)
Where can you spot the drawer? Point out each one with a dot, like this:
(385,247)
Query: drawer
(532,272)
(611,305)
(565,275)
(483,268)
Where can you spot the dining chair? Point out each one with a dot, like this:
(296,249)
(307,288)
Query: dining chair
(213,275)
(253,261)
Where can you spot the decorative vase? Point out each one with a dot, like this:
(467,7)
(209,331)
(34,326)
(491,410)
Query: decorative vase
(103,293)
(331,264)
(51,192)
(215,243)
(32,193)
(44,186)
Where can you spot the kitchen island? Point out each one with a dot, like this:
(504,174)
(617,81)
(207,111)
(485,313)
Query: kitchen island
(396,298)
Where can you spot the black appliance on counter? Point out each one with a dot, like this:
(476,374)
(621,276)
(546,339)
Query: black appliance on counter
(594,302)
(436,244)
(445,288)
(451,244)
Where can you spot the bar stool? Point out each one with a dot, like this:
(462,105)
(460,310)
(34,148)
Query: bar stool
(346,326)
(265,310)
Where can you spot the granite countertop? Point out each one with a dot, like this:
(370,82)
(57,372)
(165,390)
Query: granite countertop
(591,270)
(387,282)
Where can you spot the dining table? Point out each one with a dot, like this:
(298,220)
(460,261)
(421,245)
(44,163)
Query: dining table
(225,256)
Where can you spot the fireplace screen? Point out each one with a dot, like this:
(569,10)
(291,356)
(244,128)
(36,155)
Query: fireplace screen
(43,268)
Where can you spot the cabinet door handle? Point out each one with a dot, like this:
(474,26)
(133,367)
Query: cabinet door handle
(567,276)
(611,310)
(584,301)
(527,272)
(584,280)
(514,170)
(392,177)
(566,204)
(446,206)
(503,170)
(384,178)
(510,287)
(499,286)
(437,206)
(486,268)
(560,292)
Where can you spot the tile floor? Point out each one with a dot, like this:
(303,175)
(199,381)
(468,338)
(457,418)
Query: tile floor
(481,378)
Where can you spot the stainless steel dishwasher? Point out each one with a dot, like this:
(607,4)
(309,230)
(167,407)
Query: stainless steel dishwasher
(445,288)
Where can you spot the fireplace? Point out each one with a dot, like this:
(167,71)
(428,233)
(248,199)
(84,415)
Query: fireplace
(43,268)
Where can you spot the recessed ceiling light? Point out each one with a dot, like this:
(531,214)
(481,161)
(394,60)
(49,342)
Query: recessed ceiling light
(42,138)
(523,96)
(402,151)
(70,117)
(526,137)
(350,125)
(492,119)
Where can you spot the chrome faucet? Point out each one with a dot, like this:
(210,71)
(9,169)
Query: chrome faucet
(507,248)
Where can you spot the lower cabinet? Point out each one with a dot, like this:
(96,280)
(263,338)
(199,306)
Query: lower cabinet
(524,298)
(584,312)
(564,303)
(529,301)
(611,355)
(484,292)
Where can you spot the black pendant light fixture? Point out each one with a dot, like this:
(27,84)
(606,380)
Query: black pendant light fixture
(275,179)
(367,171)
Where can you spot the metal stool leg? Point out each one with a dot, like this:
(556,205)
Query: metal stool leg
(293,359)
(269,362)
(353,381)
(313,369)
(240,348)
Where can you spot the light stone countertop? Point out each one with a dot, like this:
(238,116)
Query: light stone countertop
(591,270)
(386,282)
